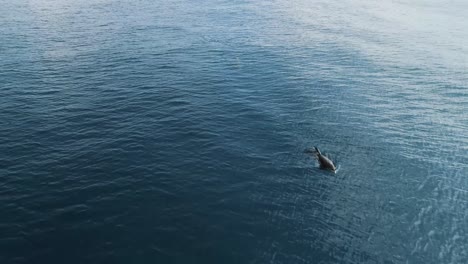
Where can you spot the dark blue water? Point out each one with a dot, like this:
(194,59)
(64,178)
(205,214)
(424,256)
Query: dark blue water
(173,131)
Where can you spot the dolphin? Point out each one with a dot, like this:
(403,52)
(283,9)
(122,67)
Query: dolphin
(325,163)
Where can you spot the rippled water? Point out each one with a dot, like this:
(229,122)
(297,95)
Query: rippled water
(173,131)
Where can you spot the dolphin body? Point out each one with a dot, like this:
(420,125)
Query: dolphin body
(325,163)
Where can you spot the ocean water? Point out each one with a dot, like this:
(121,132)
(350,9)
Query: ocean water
(173,131)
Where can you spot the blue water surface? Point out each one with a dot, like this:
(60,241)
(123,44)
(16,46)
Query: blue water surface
(173,131)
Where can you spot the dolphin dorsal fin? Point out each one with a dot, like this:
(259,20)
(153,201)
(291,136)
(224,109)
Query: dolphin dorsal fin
(318,151)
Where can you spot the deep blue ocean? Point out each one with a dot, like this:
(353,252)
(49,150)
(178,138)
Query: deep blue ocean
(174,131)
